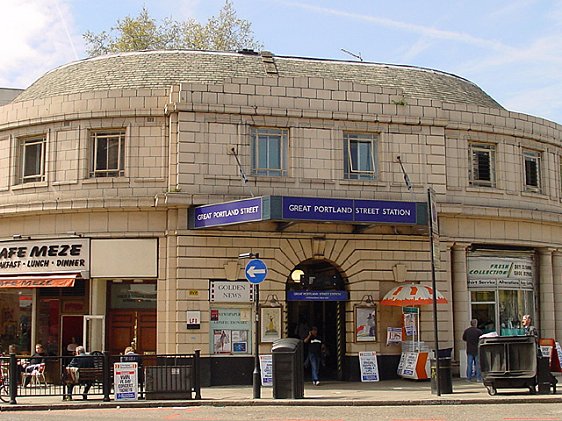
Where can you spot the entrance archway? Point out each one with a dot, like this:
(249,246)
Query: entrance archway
(316,295)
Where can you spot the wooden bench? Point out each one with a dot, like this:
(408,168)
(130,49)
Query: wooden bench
(85,375)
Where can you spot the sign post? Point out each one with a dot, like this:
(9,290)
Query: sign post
(433,235)
(256,271)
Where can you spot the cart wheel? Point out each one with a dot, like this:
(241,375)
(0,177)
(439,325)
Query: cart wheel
(491,390)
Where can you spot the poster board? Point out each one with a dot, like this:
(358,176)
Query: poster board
(270,322)
(369,366)
(266,367)
(230,330)
(126,381)
(365,323)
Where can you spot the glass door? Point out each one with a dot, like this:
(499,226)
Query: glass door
(483,309)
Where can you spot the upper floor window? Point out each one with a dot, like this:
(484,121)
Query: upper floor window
(31,167)
(269,151)
(532,162)
(482,165)
(360,156)
(108,153)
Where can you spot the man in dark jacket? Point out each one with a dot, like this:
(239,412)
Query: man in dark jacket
(34,363)
(81,360)
(471,336)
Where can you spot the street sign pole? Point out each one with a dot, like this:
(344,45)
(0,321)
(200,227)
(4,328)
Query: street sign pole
(256,271)
(433,229)
(256,380)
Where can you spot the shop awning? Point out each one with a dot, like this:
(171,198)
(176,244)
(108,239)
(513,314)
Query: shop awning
(35,281)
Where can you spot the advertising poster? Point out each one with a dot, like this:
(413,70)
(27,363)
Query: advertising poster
(266,367)
(369,366)
(270,324)
(230,330)
(393,335)
(365,323)
(126,383)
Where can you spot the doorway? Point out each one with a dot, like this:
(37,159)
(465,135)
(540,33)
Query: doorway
(316,296)
(132,317)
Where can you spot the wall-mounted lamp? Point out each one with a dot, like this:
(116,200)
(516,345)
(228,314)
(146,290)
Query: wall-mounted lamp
(296,275)
(249,255)
(21,237)
(272,300)
(368,300)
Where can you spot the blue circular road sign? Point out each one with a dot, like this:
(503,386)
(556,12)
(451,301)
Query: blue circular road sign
(256,271)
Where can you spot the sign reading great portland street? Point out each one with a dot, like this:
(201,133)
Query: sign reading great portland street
(44,256)
(282,208)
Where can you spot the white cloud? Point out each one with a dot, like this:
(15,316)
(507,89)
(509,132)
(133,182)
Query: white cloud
(35,37)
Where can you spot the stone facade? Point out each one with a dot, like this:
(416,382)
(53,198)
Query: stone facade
(185,132)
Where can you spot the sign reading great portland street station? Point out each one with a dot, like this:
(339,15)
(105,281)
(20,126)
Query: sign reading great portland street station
(314,209)
(44,256)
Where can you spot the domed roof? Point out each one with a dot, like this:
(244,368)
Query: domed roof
(160,69)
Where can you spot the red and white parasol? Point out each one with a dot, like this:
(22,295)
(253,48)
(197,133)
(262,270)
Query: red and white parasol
(411,295)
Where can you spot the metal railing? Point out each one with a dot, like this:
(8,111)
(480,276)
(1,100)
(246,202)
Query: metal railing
(160,376)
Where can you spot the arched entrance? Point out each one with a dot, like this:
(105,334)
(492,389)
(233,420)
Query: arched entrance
(316,296)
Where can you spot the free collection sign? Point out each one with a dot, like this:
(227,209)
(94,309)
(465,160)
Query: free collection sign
(126,381)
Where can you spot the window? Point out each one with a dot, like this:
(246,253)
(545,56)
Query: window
(482,160)
(32,160)
(269,151)
(108,154)
(360,153)
(532,162)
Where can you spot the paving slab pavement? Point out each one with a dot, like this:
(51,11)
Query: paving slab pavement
(330,393)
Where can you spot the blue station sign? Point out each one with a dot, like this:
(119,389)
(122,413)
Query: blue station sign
(320,295)
(314,209)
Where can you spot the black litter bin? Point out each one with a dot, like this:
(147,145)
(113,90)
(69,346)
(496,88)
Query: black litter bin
(445,375)
(508,362)
(287,369)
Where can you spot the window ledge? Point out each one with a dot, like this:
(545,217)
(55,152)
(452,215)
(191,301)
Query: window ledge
(538,195)
(484,189)
(106,180)
(347,182)
(33,185)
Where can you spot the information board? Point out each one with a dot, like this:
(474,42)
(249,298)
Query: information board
(126,381)
(369,366)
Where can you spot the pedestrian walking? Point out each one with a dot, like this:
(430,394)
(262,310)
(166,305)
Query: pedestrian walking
(314,353)
(471,336)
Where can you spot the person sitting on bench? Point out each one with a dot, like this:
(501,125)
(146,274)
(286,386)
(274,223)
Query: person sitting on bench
(81,360)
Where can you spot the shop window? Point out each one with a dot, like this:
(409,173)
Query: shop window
(133,296)
(513,304)
(532,164)
(31,167)
(360,156)
(15,314)
(482,165)
(269,151)
(107,153)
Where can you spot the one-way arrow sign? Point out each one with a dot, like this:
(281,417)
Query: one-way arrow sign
(256,271)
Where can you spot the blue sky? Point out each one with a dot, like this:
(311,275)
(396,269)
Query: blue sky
(510,48)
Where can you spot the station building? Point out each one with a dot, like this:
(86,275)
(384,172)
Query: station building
(131,184)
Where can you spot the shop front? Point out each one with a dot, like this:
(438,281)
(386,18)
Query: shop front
(43,293)
(502,289)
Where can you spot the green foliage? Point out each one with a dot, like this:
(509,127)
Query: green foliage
(225,32)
